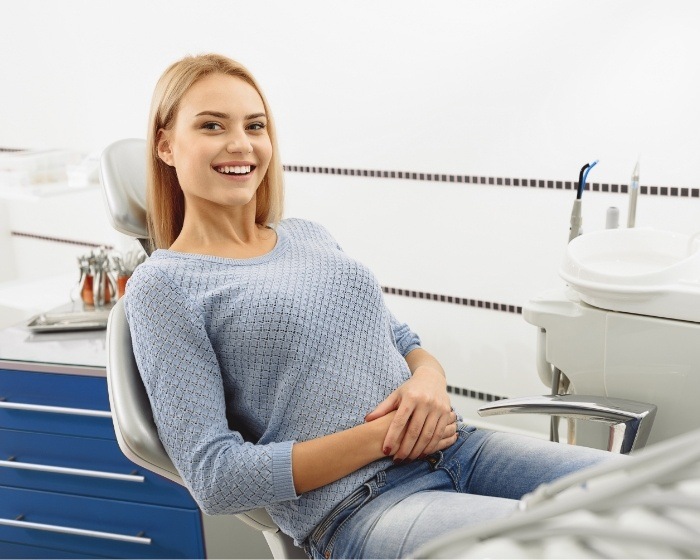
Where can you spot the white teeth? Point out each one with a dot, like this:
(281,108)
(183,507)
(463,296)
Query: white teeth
(235,169)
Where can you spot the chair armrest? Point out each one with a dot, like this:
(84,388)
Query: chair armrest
(630,421)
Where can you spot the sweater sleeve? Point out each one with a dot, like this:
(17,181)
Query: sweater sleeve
(405,339)
(224,473)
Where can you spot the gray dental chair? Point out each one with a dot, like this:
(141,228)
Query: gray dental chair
(123,175)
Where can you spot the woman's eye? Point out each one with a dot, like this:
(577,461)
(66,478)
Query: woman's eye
(212,126)
(256,126)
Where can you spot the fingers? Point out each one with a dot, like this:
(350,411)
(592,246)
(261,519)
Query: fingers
(447,427)
(424,434)
(446,442)
(396,432)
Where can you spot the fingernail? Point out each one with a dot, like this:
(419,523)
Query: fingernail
(386,450)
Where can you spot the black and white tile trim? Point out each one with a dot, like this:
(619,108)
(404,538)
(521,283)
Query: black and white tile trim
(60,240)
(472,394)
(494,306)
(495,181)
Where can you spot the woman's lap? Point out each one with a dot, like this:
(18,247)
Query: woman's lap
(479,478)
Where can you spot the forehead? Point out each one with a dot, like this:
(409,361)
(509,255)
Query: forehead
(223,93)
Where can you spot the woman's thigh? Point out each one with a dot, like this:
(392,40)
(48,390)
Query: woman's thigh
(405,526)
(509,465)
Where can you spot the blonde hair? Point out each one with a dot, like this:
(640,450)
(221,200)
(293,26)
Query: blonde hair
(166,203)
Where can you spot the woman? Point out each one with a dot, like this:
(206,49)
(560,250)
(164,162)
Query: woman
(277,376)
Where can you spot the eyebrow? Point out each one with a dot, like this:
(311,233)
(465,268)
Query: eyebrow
(220,115)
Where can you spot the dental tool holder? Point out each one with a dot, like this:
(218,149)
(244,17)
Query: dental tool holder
(96,284)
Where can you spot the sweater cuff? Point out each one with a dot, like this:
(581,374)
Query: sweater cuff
(282,479)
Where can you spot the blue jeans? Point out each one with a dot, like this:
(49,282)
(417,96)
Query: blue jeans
(480,477)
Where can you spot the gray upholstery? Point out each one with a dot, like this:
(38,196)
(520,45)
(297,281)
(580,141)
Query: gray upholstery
(123,175)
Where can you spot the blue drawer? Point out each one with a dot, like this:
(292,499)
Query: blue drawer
(55,403)
(12,550)
(58,521)
(35,460)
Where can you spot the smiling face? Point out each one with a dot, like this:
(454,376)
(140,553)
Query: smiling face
(218,144)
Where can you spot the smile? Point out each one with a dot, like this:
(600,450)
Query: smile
(235,169)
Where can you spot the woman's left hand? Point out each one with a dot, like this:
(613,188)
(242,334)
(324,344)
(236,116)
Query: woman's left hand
(423,410)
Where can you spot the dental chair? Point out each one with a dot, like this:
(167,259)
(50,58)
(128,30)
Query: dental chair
(123,176)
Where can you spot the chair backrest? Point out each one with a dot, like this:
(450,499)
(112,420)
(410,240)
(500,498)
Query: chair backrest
(132,416)
(123,175)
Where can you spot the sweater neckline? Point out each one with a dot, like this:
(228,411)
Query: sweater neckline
(278,249)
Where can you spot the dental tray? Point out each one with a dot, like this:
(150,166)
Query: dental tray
(638,270)
(63,319)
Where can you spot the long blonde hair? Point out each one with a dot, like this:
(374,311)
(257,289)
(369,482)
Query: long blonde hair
(166,203)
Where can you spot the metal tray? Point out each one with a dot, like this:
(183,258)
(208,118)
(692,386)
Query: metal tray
(69,321)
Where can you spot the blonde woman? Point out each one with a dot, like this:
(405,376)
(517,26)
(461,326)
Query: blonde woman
(278,377)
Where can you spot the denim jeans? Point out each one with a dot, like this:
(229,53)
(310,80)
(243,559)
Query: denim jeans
(479,478)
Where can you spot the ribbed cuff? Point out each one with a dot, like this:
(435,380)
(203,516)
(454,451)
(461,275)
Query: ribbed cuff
(282,479)
(410,348)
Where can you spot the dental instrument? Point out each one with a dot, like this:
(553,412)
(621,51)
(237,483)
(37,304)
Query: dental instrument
(634,191)
(576,219)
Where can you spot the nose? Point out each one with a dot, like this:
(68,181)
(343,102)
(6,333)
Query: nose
(238,142)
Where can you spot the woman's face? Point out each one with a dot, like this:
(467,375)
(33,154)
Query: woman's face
(218,143)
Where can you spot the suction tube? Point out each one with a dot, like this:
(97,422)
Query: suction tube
(576,220)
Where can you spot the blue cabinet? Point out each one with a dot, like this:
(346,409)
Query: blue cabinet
(66,490)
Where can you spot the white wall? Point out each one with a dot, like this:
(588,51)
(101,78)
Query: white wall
(527,89)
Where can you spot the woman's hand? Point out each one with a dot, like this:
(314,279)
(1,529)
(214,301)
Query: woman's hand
(424,421)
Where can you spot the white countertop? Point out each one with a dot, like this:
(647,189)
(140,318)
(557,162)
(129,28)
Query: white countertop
(75,351)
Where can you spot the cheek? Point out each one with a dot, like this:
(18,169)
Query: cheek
(265,152)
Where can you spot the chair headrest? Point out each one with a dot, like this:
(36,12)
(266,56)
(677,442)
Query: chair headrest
(123,176)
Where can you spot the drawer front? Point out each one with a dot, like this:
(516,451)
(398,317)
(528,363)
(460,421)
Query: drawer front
(92,526)
(13,550)
(54,403)
(85,466)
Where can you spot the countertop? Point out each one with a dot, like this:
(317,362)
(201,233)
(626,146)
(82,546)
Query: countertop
(72,352)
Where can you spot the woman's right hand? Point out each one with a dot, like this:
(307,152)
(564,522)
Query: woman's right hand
(382,423)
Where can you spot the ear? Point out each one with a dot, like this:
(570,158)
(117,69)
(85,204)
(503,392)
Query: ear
(164,149)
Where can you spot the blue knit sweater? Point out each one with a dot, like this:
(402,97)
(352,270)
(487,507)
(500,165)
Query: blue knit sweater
(243,357)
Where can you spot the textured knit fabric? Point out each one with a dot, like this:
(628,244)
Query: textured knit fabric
(243,357)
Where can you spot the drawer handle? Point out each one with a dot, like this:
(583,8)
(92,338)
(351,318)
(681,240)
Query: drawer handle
(66,470)
(19,522)
(55,409)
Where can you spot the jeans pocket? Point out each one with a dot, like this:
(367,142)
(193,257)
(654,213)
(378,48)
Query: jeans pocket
(322,537)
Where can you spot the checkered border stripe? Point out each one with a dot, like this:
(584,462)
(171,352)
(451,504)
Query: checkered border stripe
(481,304)
(60,240)
(495,181)
(472,394)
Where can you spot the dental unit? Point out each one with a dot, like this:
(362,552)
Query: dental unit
(626,326)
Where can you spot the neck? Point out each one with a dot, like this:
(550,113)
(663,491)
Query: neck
(229,232)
